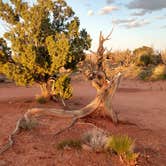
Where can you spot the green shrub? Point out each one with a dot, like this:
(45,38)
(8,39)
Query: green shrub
(123,146)
(76,144)
(145,73)
(41,99)
(157,59)
(144,60)
(62,87)
(120,144)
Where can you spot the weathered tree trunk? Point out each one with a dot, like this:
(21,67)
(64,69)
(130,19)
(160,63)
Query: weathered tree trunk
(101,105)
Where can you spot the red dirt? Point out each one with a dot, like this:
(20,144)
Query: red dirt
(141,105)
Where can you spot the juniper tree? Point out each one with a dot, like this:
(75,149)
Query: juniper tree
(45,43)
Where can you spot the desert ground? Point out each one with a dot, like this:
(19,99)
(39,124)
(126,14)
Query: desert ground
(141,108)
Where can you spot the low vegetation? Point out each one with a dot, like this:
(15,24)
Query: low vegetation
(71,143)
(96,139)
(30,125)
(123,146)
(143,63)
(41,99)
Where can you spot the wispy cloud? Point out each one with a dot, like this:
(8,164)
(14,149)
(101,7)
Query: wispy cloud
(147,5)
(90,13)
(122,21)
(136,24)
(108,9)
(161,17)
(131,22)
(163,27)
(109,1)
(139,13)
(88,5)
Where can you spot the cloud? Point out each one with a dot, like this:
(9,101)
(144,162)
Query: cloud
(123,21)
(88,5)
(139,13)
(109,1)
(161,17)
(163,27)
(90,13)
(136,24)
(131,22)
(147,5)
(108,9)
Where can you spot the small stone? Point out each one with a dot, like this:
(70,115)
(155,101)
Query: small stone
(86,147)
(3,163)
(10,102)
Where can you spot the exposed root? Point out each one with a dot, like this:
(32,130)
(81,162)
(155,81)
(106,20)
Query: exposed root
(68,127)
(11,136)
(104,97)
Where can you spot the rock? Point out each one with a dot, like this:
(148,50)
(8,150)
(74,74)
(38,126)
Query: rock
(3,163)
(87,148)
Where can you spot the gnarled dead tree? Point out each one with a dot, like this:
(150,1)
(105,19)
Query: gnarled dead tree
(102,104)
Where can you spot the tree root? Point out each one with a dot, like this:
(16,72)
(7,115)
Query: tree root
(68,127)
(11,136)
(104,97)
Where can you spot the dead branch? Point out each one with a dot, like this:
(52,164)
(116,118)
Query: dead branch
(104,93)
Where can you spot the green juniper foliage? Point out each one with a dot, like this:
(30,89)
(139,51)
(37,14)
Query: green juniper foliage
(44,38)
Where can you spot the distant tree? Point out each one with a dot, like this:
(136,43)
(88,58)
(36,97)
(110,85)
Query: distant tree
(146,56)
(143,50)
(46,44)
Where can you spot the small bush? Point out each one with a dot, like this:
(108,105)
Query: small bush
(130,158)
(159,72)
(144,60)
(76,144)
(28,125)
(145,73)
(123,146)
(163,56)
(41,99)
(96,139)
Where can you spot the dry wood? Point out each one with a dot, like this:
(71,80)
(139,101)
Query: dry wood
(104,95)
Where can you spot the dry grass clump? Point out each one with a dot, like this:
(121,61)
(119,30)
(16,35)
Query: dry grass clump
(96,139)
(41,99)
(76,144)
(123,146)
(28,125)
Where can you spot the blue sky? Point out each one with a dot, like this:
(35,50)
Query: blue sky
(136,22)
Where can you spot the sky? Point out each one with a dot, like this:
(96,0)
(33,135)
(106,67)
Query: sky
(136,22)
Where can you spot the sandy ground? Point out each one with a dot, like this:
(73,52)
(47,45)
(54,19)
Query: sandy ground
(140,104)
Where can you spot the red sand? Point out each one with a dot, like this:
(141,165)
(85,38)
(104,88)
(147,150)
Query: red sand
(136,102)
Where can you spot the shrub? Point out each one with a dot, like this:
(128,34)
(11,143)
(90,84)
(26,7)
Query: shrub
(76,144)
(96,139)
(163,56)
(123,146)
(159,72)
(44,37)
(28,125)
(144,60)
(145,74)
(41,99)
